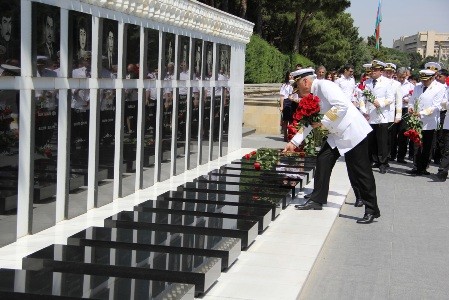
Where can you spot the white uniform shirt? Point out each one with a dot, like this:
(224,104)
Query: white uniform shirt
(347,127)
(406,91)
(286,90)
(384,94)
(445,105)
(396,106)
(428,103)
(347,85)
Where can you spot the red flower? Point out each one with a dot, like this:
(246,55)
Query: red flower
(257,166)
(247,156)
(361,86)
(253,153)
(410,92)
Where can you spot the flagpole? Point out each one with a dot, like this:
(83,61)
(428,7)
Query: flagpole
(377,27)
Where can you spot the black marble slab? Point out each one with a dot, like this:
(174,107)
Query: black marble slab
(257,176)
(286,171)
(277,187)
(256,192)
(261,215)
(202,271)
(228,249)
(43,285)
(240,201)
(246,230)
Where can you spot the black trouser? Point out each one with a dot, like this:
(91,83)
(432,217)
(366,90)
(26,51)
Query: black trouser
(358,163)
(444,164)
(353,181)
(378,143)
(422,154)
(439,140)
(394,130)
(402,139)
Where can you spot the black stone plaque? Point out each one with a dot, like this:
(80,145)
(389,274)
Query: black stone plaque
(261,215)
(43,285)
(225,199)
(117,262)
(246,230)
(256,192)
(228,249)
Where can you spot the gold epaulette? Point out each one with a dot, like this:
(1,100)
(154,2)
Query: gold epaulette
(332,114)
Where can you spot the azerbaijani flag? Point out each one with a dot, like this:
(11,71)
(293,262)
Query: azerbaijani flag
(378,20)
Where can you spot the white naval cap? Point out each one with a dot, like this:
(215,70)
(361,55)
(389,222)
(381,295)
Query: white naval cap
(377,64)
(390,66)
(298,74)
(426,74)
(432,66)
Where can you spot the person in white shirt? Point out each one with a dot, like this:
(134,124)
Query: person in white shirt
(286,103)
(443,142)
(439,140)
(377,113)
(395,113)
(428,98)
(348,132)
(347,83)
(405,91)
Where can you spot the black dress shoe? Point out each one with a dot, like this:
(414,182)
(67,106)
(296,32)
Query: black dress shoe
(401,161)
(368,218)
(309,205)
(413,172)
(392,158)
(440,176)
(375,165)
(307,196)
(383,169)
(425,172)
(358,203)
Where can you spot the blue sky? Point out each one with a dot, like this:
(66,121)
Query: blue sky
(400,17)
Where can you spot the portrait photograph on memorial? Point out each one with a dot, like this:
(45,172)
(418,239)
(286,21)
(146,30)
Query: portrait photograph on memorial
(9,38)
(131,97)
(80,63)
(224,66)
(45,39)
(197,57)
(184,74)
(151,92)
(168,74)
(107,100)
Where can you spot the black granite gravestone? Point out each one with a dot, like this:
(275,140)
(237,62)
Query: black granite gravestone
(203,271)
(228,249)
(45,285)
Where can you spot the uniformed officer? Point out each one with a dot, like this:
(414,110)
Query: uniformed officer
(395,113)
(425,103)
(405,90)
(348,132)
(444,163)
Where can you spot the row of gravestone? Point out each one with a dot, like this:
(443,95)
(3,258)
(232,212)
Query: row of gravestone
(173,247)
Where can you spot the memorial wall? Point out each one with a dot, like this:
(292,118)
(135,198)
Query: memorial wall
(99,99)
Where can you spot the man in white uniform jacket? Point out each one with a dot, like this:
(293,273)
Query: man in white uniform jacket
(348,132)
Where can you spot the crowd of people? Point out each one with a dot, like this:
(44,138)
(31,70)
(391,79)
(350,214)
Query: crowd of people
(370,123)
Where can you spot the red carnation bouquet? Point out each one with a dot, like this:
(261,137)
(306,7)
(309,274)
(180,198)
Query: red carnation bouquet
(307,112)
(414,125)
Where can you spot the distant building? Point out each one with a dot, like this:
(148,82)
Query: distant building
(426,43)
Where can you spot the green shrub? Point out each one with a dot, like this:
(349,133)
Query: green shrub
(266,64)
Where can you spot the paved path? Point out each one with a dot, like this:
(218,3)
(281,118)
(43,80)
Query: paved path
(405,255)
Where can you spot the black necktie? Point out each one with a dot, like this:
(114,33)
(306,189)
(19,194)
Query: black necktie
(424,89)
(374,82)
